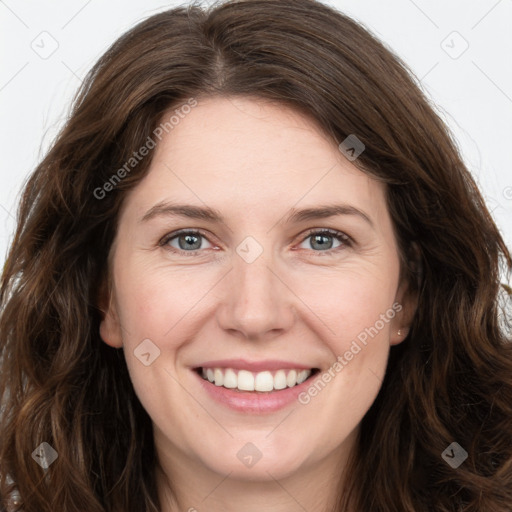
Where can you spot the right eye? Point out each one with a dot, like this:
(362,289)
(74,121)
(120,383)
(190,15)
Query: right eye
(184,241)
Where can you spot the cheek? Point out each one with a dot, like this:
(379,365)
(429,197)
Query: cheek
(356,317)
(154,301)
(156,304)
(349,303)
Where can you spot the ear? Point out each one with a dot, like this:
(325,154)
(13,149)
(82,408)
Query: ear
(401,323)
(407,298)
(110,327)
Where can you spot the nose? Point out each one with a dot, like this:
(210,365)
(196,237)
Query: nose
(257,302)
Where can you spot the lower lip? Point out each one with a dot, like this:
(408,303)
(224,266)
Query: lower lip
(253,402)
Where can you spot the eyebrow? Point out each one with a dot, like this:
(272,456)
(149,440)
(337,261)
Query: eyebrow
(294,216)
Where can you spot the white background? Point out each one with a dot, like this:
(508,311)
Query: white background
(472,90)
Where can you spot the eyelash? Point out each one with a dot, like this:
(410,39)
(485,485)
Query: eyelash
(340,236)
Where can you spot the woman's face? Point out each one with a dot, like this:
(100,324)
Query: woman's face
(265,289)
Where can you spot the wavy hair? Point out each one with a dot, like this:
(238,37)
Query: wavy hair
(449,381)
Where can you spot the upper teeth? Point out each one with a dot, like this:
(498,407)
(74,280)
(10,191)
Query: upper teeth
(260,381)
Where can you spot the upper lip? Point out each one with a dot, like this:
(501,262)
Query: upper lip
(254,366)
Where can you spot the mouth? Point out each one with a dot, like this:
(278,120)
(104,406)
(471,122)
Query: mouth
(262,382)
(254,387)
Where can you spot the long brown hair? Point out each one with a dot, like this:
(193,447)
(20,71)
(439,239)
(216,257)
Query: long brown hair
(449,381)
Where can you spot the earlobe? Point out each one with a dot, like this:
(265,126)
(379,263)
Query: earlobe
(110,330)
(400,326)
(399,335)
(407,296)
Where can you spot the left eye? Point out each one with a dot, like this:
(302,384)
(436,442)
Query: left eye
(322,241)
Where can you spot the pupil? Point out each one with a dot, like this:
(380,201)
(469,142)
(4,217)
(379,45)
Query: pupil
(323,240)
(189,241)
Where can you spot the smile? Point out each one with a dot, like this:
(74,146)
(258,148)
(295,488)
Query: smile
(253,387)
(263,382)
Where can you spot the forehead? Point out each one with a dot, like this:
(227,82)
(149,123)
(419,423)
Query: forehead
(246,153)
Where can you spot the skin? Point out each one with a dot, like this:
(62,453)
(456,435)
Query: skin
(253,161)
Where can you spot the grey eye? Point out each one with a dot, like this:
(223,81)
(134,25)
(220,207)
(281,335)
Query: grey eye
(187,241)
(323,241)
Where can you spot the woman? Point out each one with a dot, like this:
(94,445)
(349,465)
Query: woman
(254,273)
